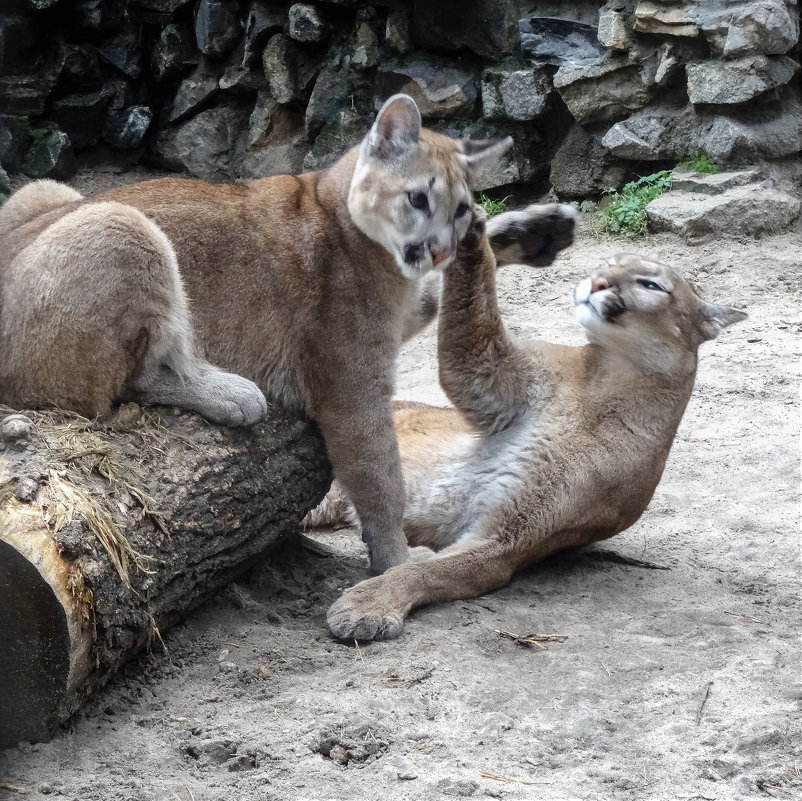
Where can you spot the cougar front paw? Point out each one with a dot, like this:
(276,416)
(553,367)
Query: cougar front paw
(534,235)
(234,401)
(362,613)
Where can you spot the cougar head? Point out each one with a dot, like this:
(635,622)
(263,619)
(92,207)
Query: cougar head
(411,189)
(648,311)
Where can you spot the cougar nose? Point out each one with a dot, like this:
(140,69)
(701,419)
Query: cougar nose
(439,256)
(597,283)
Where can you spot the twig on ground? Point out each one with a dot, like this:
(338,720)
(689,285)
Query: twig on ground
(532,639)
(748,617)
(15,787)
(704,701)
(486,774)
(604,555)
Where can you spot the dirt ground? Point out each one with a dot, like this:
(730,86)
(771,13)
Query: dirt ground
(676,676)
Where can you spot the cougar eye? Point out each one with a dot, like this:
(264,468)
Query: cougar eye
(646,284)
(461,209)
(418,200)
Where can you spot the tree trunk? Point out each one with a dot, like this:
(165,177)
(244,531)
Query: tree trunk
(111,532)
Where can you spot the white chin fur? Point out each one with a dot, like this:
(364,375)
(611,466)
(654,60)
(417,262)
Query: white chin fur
(583,291)
(586,317)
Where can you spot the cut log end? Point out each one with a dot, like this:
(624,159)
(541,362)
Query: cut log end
(35,655)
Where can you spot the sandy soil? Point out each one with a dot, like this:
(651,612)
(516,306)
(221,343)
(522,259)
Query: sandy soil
(677,678)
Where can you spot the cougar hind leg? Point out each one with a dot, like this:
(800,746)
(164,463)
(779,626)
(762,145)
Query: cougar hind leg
(94,306)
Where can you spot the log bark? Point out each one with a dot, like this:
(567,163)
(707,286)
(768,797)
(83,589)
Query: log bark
(111,532)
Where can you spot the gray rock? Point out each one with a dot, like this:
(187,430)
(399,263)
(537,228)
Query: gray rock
(397,35)
(123,51)
(769,26)
(557,41)
(15,136)
(440,88)
(667,66)
(16,426)
(41,5)
(683,180)
(343,130)
(664,131)
(49,156)
(517,95)
(364,48)
(125,129)
(80,68)
(306,24)
(289,70)
(260,25)
(217,27)
(329,95)
(398,766)
(174,53)
(458,787)
(242,77)
(261,119)
(614,29)
(744,211)
(605,90)
(195,90)
(26,94)
(671,20)
(276,140)
(102,16)
(242,80)
(120,94)
(281,148)
(485,27)
(203,145)
(81,117)
(5,185)
(737,81)
(163,6)
(582,166)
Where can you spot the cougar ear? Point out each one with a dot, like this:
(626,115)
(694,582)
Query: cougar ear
(477,152)
(396,129)
(716,318)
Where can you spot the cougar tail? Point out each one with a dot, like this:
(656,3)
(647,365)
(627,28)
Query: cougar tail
(32,200)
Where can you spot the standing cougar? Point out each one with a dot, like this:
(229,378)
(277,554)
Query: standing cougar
(549,446)
(303,286)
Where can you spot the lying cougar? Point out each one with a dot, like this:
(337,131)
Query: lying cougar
(305,286)
(548,447)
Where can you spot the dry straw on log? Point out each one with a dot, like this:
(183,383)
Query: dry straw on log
(111,532)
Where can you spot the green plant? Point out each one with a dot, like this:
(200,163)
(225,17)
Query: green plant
(699,162)
(492,207)
(626,214)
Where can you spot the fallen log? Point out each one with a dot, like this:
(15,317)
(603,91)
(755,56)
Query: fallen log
(111,532)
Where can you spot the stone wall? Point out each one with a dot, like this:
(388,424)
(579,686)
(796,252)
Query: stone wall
(230,89)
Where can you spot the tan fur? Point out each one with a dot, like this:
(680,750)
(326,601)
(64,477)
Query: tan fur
(303,287)
(549,447)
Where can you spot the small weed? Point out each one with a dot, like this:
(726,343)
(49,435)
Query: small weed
(627,213)
(492,207)
(699,162)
